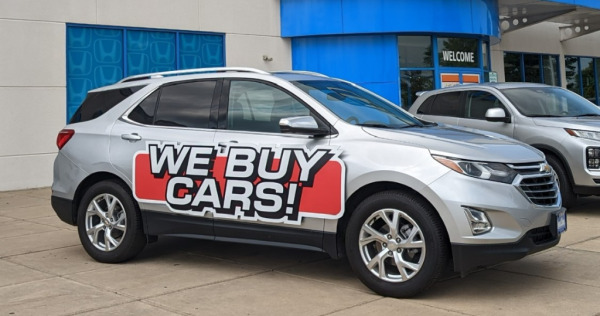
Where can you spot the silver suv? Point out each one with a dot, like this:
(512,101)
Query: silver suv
(562,124)
(298,160)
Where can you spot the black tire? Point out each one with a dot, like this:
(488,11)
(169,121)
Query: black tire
(412,213)
(564,182)
(119,235)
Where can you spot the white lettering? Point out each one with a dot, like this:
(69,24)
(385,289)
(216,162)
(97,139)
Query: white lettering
(167,155)
(174,185)
(199,156)
(243,197)
(240,163)
(261,194)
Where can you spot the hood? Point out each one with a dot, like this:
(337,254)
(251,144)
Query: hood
(590,123)
(463,143)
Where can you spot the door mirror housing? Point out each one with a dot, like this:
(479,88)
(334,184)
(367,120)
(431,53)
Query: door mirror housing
(302,125)
(497,115)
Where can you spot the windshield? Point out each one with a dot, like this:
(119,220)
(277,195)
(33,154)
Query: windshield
(356,105)
(550,102)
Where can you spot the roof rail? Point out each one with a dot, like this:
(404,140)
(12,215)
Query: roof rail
(191,71)
(301,72)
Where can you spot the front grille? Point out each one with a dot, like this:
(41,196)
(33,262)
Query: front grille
(537,183)
(541,235)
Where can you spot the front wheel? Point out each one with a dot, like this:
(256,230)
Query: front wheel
(396,244)
(109,223)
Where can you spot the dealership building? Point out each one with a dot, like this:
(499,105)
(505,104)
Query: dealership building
(53,52)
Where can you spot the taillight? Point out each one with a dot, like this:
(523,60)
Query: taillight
(63,137)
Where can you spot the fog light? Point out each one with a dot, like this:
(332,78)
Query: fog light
(592,155)
(479,222)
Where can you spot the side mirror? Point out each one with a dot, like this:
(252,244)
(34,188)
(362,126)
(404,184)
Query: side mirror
(497,115)
(302,125)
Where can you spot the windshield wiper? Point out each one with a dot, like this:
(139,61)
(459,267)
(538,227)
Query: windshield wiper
(374,125)
(546,115)
(588,114)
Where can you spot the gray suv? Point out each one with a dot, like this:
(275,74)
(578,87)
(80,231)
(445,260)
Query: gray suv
(298,160)
(562,124)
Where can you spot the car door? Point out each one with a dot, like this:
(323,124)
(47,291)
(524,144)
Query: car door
(259,154)
(153,146)
(476,103)
(442,107)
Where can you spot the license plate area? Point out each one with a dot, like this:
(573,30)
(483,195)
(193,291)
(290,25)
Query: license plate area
(561,221)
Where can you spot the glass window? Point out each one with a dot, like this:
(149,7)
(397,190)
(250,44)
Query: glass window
(144,112)
(572,73)
(512,67)
(185,104)
(550,64)
(415,51)
(485,56)
(413,81)
(446,104)
(97,103)
(458,52)
(478,102)
(357,106)
(532,67)
(588,78)
(550,102)
(525,67)
(255,106)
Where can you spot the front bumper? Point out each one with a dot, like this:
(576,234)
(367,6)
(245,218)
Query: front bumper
(470,257)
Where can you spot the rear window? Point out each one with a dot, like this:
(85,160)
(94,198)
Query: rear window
(446,104)
(98,103)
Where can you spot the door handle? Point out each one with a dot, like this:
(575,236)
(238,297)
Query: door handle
(228,143)
(133,137)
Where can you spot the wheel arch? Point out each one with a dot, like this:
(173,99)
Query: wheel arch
(89,181)
(363,192)
(548,150)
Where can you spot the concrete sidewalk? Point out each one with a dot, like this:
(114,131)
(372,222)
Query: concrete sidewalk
(45,271)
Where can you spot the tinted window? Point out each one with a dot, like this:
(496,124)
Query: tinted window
(98,103)
(144,112)
(255,106)
(446,104)
(425,107)
(478,102)
(550,102)
(185,104)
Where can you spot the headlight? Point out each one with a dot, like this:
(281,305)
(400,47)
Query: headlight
(483,170)
(583,134)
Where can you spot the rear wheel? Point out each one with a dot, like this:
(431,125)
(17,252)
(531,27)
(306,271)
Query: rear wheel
(396,244)
(109,223)
(564,183)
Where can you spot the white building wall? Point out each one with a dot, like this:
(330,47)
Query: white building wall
(33,62)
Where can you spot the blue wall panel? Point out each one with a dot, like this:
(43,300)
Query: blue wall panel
(311,17)
(94,59)
(370,61)
(331,17)
(99,56)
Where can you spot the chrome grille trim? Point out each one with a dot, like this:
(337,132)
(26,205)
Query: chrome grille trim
(537,184)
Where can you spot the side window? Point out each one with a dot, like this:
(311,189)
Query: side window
(478,102)
(98,103)
(144,112)
(255,106)
(185,104)
(425,107)
(446,104)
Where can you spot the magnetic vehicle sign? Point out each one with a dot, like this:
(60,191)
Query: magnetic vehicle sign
(279,184)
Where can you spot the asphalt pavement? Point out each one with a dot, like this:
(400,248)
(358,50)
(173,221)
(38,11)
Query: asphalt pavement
(45,271)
